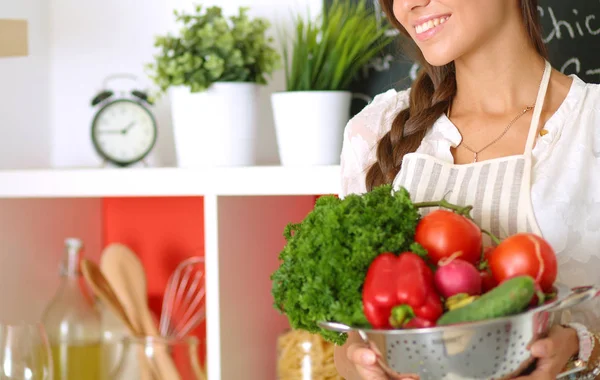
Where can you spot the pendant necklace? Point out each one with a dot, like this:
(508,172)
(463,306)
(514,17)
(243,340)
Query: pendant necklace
(476,152)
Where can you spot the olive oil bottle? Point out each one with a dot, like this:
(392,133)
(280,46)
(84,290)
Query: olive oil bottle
(73,323)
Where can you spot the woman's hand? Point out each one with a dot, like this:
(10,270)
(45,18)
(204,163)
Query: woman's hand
(367,367)
(553,353)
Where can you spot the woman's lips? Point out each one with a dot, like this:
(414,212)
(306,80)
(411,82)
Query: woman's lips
(429,27)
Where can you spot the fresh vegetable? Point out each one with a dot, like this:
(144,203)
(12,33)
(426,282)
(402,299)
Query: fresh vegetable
(487,280)
(457,276)
(443,233)
(326,256)
(510,297)
(399,290)
(524,254)
(538,296)
(459,300)
(419,323)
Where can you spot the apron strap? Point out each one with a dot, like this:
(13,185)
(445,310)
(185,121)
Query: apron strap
(537,111)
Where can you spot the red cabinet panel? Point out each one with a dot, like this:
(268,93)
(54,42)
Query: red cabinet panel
(162,231)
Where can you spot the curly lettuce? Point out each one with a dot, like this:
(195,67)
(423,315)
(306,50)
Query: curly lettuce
(326,256)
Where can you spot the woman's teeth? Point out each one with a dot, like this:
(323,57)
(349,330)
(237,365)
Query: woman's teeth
(431,24)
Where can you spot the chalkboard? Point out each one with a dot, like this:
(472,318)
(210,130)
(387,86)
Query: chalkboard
(571,30)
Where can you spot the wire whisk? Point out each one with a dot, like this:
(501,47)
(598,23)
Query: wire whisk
(182,308)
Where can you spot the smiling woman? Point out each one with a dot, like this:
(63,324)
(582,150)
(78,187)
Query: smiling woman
(489,123)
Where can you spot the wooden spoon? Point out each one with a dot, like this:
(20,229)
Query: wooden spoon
(126,274)
(103,290)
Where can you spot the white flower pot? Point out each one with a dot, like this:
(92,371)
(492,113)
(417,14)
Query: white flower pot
(309,126)
(216,127)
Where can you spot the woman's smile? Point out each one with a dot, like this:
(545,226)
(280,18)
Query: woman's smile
(427,27)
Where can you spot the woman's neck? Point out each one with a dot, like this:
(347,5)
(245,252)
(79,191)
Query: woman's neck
(501,77)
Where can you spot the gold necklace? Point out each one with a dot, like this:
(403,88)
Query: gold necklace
(476,152)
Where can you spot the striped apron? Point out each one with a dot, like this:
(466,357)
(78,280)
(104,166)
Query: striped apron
(498,189)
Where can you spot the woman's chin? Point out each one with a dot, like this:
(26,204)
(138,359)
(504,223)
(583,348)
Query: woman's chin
(438,60)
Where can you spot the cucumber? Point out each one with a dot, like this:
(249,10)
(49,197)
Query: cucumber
(510,297)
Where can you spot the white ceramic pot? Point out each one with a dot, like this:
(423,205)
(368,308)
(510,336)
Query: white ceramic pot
(216,127)
(309,126)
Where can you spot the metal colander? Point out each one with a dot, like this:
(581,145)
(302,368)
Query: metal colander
(487,350)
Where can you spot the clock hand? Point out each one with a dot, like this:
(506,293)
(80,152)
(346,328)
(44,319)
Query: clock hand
(115,131)
(128,127)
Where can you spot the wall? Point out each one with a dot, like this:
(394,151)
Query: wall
(32,233)
(90,40)
(93,39)
(24,92)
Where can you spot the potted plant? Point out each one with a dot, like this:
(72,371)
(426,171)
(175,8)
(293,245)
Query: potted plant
(212,70)
(321,59)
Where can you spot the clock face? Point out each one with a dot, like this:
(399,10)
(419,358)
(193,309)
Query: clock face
(123,132)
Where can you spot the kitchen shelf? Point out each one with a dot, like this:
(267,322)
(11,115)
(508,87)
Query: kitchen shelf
(139,182)
(236,216)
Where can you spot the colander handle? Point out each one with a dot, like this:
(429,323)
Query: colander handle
(342,328)
(578,295)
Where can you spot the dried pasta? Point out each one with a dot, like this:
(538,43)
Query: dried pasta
(302,356)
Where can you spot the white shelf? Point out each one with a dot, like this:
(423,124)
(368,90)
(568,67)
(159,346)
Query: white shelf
(259,180)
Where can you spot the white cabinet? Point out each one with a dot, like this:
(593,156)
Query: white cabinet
(44,132)
(245,212)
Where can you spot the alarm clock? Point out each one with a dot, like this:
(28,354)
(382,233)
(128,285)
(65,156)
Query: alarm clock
(123,129)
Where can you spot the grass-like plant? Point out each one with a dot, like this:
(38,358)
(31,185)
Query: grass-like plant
(327,53)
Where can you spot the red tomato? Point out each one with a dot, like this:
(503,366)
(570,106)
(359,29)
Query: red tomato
(445,233)
(535,300)
(487,251)
(524,254)
(487,281)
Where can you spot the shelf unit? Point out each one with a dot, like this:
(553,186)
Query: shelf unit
(245,212)
(239,181)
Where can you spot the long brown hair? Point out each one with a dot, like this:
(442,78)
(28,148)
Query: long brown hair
(430,97)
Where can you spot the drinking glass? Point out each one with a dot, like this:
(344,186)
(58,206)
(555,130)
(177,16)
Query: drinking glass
(25,353)
(130,358)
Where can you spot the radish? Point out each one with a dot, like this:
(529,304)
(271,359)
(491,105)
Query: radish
(457,276)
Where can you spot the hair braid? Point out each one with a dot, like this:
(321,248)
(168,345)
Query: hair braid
(430,98)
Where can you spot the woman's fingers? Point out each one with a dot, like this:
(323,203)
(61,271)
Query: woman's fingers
(367,366)
(360,354)
(365,361)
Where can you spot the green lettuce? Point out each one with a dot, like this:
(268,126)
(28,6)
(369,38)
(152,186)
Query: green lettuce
(326,257)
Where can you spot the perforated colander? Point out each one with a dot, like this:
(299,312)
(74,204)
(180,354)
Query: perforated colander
(488,350)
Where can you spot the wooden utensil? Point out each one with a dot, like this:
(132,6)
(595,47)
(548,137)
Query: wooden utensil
(126,274)
(103,290)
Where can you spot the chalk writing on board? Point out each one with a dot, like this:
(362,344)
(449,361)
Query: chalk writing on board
(574,65)
(561,29)
(579,25)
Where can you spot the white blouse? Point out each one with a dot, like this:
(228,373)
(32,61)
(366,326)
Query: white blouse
(565,187)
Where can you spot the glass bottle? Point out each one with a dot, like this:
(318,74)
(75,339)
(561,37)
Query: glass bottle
(73,323)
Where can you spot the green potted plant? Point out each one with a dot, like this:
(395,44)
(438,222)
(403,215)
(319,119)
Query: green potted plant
(212,70)
(322,57)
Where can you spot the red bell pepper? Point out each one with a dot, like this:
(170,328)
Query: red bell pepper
(399,293)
